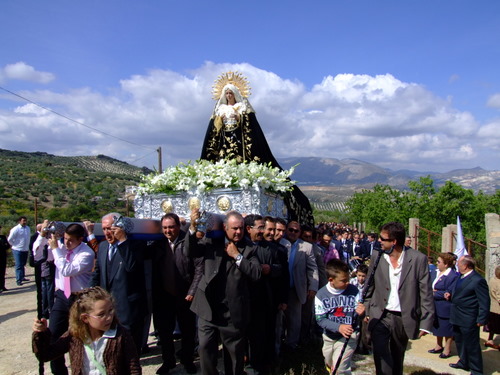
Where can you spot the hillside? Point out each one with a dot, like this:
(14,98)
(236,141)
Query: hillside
(86,184)
(327,180)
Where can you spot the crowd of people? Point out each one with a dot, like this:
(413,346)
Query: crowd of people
(260,286)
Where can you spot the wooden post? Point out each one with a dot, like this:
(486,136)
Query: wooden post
(36,213)
(160,168)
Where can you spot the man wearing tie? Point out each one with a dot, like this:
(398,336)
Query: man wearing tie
(370,244)
(74,261)
(345,251)
(470,305)
(175,280)
(222,300)
(120,270)
(304,281)
(358,251)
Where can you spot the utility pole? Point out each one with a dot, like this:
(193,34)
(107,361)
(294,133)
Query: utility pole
(160,169)
(36,213)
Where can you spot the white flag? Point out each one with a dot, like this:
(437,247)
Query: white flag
(460,249)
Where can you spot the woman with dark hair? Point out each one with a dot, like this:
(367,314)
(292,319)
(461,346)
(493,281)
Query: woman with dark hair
(444,281)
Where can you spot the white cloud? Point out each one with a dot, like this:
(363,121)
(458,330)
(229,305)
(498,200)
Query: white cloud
(494,101)
(488,135)
(24,72)
(453,78)
(379,119)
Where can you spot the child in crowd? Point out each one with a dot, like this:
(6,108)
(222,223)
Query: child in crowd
(360,281)
(360,278)
(335,306)
(96,343)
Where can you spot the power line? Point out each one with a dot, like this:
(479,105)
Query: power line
(142,157)
(75,121)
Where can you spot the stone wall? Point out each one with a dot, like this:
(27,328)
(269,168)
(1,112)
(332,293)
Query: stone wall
(492,258)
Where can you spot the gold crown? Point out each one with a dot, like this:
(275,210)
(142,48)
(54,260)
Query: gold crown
(234,78)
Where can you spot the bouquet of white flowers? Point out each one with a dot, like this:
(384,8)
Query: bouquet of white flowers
(203,176)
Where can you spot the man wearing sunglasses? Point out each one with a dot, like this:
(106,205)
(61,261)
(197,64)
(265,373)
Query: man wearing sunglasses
(399,303)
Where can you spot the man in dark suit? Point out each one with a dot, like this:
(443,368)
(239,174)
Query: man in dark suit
(4,246)
(304,281)
(38,272)
(119,269)
(175,278)
(359,252)
(399,303)
(222,301)
(370,244)
(345,247)
(470,306)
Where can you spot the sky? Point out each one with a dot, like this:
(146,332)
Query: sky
(401,84)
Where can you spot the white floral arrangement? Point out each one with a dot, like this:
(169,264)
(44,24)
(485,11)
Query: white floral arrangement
(203,176)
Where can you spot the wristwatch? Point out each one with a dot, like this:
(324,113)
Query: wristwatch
(239,257)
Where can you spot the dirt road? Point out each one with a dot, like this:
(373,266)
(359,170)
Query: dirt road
(18,309)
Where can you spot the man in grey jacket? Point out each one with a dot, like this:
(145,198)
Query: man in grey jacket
(399,303)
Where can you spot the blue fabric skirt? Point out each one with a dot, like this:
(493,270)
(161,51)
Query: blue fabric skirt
(442,327)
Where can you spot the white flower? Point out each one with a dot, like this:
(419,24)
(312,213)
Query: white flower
(202,176)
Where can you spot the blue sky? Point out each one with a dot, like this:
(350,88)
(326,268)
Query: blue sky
(402,84)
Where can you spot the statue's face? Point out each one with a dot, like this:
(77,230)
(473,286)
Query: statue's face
(230,97)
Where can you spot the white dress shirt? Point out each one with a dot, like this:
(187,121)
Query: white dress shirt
(78,267)
(19,238)
(393,303)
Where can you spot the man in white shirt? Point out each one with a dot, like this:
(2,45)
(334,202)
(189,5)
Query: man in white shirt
(19,240)
(399,303)
(74,261)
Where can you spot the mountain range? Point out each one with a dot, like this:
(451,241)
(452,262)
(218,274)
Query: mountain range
(324,172)
(327,182)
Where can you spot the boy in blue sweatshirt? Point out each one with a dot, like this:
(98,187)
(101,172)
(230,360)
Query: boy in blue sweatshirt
(335,306)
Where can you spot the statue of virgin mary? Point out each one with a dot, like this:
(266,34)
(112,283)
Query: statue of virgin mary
(234,133)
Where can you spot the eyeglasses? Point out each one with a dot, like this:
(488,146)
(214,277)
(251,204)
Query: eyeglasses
(103,316)
(260,227)
(292,230)
(385,239)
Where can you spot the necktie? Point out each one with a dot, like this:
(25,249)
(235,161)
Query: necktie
(291,259)
(112,251)
(67,279)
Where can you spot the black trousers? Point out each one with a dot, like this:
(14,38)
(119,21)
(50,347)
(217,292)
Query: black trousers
(469,347)
(3,267)
(262,339)
(168,309)
(38,282)
(233,341)
(58,325)
(389,341)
